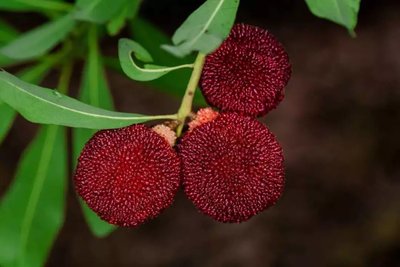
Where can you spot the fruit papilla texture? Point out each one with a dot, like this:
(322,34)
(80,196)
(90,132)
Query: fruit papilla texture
(127,175)
(232,167)
(247,73)
(202,116)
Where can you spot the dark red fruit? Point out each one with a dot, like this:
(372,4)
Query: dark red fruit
(127,175)
(232,167)
(247,73)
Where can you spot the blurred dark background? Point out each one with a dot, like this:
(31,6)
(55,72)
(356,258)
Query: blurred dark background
(339,126)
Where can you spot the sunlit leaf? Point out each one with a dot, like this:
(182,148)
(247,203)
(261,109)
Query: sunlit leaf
(148,72)
(205,29)
(32,211)
(343,12)
(39,40)
(42,105)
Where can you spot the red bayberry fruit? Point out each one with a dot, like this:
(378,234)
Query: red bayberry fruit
(247,73)
(127,175)
(232,167)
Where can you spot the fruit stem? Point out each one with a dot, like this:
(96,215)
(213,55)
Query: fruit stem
(186,106)
(160,117)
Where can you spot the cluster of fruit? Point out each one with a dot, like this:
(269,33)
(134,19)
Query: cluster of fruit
(229,164)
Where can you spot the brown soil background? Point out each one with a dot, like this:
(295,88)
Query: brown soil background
(339,126)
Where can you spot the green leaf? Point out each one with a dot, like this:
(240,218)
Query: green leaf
(98,227)
(40,40)
(98,11)
(7,32)
(115,25)
(14,5)
(33,74)
(94,91)
(7,117)
(149,72)
(343,12)
(151,38)
(129,11)
(175,82)
(205,29)
(6,61)
(133,7)
(42,105)
(32,211)
(36,5)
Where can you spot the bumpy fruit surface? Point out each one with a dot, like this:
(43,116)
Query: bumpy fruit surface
(247,73)
(232,167)
(202,116)
(127,175)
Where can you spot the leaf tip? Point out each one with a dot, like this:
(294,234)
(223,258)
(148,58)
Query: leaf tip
(352,33)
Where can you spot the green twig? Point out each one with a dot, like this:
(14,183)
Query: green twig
(187,101)
(160,117)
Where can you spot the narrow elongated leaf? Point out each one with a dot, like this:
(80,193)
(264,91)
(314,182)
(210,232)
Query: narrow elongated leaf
(6,61)
(128,11)
(133,7)
(97,226)
(7,114)
(82,4)
(175,82)
(149,72)
(32,211)
(40,40)
(151,38)
(115,25)
(94,91)
(14,5)
(343,12)
(30,5)
(7,32)
(42,105)
(98,11)
(205,29)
